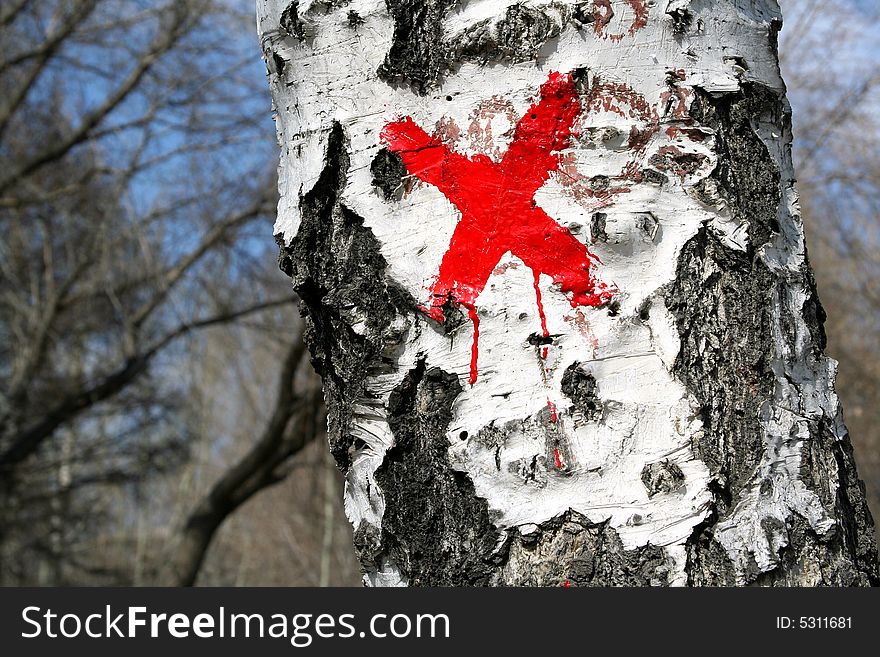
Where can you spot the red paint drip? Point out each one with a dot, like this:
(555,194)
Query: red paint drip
(496,202)
(558,460)
(541,314)
(475,346)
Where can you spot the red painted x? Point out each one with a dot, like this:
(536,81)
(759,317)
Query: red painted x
(497,206)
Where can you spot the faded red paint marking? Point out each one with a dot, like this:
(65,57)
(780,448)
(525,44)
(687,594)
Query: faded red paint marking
(583,327)
(496,202)
(674,102)
(553,415)
(559,463)
(480,133)
(500,269)
(682,163)
(603,13)
(623,100)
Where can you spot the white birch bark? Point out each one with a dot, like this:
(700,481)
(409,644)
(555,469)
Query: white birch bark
(684,431)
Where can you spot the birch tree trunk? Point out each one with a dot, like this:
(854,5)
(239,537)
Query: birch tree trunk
(556,285)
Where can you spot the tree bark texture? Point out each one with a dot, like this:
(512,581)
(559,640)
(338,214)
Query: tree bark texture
(556,285)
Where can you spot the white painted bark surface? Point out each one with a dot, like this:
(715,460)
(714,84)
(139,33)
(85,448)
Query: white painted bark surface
(648,415)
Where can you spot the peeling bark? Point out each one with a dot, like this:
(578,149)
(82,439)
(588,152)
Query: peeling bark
(658,411)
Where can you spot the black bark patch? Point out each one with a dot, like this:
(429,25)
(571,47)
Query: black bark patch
(388,172)
(571,549)
(597,227)
(721,296)
(581,388)
(746,173)
(721,301)
(857,538)
(367,541)
(583,13)
(654,177)
(492,436)
(708,563)
(416,54)
(517,37)
(337,270)
(683,164)
(435,529)
(724,327)
(539,340)
(681,20)
(290,22)
(420,52)
(662,477)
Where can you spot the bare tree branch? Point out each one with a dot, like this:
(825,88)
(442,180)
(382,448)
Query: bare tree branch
(26,442)
(12,12)
(41,56)
(257,469)
(164,42)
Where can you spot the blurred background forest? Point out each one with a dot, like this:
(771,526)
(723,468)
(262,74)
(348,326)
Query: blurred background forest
(159,420)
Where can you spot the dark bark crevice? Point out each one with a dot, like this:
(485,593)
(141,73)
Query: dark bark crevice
(421,52)
(389,172)
(435,529)
(581,388)
(722,300)
(517,37)
(339,275)
(569,550)
(416,53)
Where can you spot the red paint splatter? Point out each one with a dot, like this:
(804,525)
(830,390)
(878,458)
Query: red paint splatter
(496,202)
(566,584)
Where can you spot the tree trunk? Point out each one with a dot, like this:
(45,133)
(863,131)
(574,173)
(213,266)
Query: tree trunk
(556,285)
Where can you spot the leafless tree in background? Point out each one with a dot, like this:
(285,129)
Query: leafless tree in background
(136,181)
